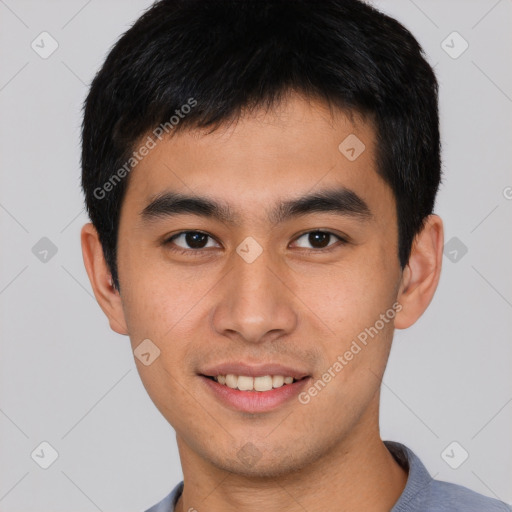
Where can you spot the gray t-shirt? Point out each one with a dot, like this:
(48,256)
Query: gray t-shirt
(421,494)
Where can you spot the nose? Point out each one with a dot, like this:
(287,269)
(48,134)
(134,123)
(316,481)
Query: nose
(257,303)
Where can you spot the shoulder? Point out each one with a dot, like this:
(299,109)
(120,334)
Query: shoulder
(424,494)
(169,502)
(446,496)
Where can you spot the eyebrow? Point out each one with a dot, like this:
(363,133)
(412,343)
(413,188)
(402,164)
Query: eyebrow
(340,201)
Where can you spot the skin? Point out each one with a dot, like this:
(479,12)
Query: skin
(290,306)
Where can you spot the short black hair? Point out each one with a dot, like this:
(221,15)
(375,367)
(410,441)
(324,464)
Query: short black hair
(220,58)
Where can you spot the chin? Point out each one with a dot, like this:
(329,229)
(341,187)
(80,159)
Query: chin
(250,462)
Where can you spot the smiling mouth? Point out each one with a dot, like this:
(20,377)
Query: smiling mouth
(258,384)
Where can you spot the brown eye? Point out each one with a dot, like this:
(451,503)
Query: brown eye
(320,239)
(189,241)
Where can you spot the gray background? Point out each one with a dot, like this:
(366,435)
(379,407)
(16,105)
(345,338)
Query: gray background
(65,378)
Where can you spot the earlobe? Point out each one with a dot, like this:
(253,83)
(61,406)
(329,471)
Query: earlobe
(421,275)
(101,280)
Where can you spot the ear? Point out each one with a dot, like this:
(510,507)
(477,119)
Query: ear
(101,280)
(421,275)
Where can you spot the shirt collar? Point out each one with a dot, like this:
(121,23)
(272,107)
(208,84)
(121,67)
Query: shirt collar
(417,488)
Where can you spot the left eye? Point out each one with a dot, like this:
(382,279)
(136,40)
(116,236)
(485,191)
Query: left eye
(320,239)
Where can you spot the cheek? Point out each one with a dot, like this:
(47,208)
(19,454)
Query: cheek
(352,295)
(154,307)
(152,296)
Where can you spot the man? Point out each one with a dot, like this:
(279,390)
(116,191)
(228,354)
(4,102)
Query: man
(261,178)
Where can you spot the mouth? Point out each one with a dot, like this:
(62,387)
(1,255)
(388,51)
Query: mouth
(244,393)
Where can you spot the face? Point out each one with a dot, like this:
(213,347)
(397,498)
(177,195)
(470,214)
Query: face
(259,285)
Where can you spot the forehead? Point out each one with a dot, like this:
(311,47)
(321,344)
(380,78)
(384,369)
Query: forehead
(263,158)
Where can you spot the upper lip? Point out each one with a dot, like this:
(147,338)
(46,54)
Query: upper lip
(254,370)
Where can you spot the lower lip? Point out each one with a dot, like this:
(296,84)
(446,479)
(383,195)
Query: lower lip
(255,401)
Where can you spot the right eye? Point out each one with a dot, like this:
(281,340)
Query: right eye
(194,239)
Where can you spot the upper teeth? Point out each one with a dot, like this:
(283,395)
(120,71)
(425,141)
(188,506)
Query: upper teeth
(245,383)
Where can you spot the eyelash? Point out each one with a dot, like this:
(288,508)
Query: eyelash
(198,252)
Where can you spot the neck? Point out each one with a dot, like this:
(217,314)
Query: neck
(359,473)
